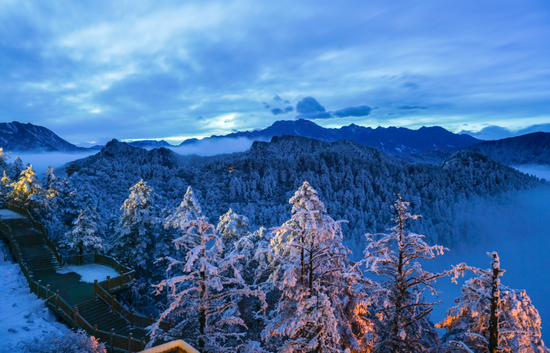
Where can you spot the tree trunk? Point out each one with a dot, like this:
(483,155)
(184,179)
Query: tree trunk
(493,319)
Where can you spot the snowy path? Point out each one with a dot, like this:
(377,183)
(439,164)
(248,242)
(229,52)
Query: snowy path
(22,314)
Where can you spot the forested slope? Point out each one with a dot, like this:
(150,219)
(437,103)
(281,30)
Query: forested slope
(358,183)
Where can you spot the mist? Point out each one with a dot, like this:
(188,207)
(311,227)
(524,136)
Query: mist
(540,171)
(210,147)
(518,228)
(41,161)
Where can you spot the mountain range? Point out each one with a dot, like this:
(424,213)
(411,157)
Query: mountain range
(427,144)
(15,136)
(390,140)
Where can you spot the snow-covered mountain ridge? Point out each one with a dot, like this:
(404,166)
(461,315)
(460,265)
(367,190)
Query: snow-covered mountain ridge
(16,136)
(530,149)
(390,140)
(357,182)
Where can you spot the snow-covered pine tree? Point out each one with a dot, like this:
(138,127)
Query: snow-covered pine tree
(203,291)
(188,209)
(85,236)
(399,312)
(134,234)
(3,159)
(254,248)
(489,317)
(17,167)
(313,277)
(50,177)
(26,191)
(231,228)
(4,188)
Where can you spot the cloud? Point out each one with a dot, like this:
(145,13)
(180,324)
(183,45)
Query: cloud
(149,69)
(277,98)
(309,105)
(267,106)
(411,107)
(277,111)
(534,128)
(210,147)
(359,111)
(494,132)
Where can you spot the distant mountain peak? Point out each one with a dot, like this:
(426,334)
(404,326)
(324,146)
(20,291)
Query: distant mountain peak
(21,137)
(390,140)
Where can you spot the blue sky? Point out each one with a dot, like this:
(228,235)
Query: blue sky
(92,71)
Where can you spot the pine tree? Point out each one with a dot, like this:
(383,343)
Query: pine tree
(313,276)
(232,227)
(398,313)
(26,191)
(50,177)
(203,292)
(134,233)
(85,236)
(17,167)
(254,248)
(188,209)
(4,188)
(489,317)
(3,158)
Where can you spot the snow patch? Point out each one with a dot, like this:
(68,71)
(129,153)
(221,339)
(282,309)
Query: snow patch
(90,272)
(22,314)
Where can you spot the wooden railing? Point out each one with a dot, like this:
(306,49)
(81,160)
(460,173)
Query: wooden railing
(38,226)
(134,319)
(70,314)
(110,284)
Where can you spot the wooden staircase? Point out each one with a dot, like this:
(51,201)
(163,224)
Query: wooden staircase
(36,255)
(83,305)
(100,314)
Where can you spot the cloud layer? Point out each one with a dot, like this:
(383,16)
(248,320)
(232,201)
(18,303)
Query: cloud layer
(92,72)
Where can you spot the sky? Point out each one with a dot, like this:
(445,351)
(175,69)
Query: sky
(93,71)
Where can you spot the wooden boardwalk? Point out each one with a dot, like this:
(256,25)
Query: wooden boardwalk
(90,306)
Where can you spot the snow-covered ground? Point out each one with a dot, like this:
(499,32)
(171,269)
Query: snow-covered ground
(90,272)
(22,314)
(7,214)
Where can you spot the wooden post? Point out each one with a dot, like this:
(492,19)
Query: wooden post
(47,294)
(57,299)
(112,333)
(38,291)
(169,324)
(95,330)
(95,288)
(150,319)
(76,259)
(130,342)
(108,283)
(75,315)
(143,344)
(132,318)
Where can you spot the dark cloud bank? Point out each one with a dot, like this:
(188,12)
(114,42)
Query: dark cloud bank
(310,108)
